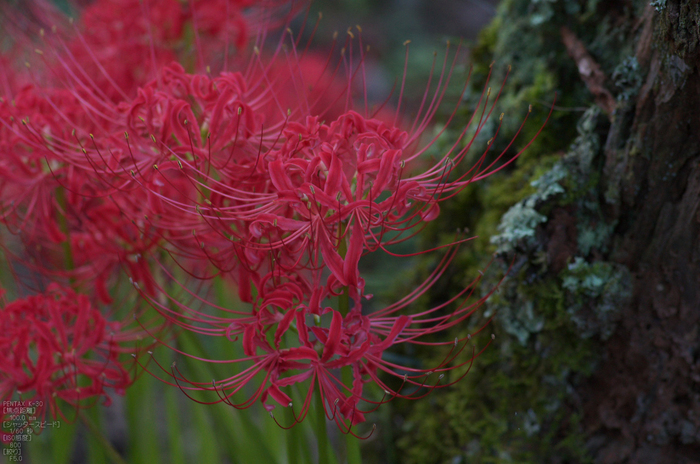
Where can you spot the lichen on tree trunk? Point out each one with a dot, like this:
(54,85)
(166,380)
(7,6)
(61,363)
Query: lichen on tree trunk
(598,349)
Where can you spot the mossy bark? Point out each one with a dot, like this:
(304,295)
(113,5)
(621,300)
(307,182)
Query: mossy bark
(597,354)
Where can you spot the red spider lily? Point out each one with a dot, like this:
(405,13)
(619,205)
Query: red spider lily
(298,191)
(211,134)
(295,212)
(60,182)
(289,338)
(117,46)
(57,350)
(50,195)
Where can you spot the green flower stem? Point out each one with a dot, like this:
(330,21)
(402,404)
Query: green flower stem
(97,453)
(344,302)
(344,299)
(320,426)
(352,444)
(176,446)
(61,441)
(63,226)
(353,449)
(293,438)
(112,453)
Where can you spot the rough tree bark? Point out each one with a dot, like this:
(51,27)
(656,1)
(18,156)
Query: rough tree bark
(599,320)
(644,401)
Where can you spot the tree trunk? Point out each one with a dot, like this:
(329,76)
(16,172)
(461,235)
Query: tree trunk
(644,401)
(597,355)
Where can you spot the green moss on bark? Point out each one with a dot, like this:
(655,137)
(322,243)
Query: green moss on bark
(546,221)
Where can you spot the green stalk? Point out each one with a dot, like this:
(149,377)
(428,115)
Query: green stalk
(61,441)
(293,438)
(208,449)
(140,414)
(344,299)
(96,449)
(304,428)
(112,453)
(344,302)
(175,441)
(63,226)
(245,441)
(320,426)
(352,444)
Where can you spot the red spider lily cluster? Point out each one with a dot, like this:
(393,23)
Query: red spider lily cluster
(123,156)
(58,346)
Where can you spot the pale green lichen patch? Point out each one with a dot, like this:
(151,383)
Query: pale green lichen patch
(596,294)
(628,78)
(517,316)
(659,5)
(517,227)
